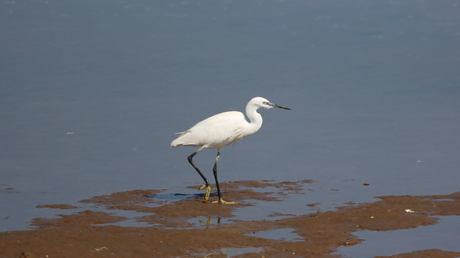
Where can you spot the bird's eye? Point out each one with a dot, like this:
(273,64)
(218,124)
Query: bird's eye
(265,103)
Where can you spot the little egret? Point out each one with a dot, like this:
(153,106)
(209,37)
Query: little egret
(220,130)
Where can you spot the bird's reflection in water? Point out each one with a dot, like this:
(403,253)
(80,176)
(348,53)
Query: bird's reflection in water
(209,221)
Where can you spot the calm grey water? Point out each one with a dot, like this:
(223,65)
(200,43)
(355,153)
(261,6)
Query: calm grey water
(92,93)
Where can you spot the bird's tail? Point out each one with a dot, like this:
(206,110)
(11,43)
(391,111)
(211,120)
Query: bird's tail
(178,141)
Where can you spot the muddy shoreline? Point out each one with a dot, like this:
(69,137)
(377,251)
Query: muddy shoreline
(171,234)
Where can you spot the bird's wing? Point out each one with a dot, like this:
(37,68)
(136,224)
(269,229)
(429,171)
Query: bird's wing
(221,117)
(218,130)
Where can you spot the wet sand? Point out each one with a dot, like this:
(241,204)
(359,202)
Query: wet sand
(171,234)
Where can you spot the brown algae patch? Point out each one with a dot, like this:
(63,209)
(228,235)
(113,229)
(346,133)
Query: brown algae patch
(58,206)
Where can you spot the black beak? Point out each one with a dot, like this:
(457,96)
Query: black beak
(278,106)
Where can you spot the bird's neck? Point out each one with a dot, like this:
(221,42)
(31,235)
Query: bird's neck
(255,118)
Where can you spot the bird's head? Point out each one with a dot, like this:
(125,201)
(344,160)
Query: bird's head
(260,102)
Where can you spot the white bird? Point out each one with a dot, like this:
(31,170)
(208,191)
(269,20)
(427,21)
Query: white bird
(220,130)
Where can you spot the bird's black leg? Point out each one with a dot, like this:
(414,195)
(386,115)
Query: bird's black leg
(207,185)
(214,170)
(190,160)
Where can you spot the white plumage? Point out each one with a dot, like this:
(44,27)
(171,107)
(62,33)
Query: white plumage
(214,132)
(219,131)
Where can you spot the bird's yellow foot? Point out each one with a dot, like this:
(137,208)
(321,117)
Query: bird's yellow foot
(221,201)
(208,191)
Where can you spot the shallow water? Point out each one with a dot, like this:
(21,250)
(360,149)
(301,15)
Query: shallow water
(282,234)
(237,251)
(92,95)
(442,236)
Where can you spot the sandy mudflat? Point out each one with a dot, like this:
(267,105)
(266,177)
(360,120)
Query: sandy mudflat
(171,234)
